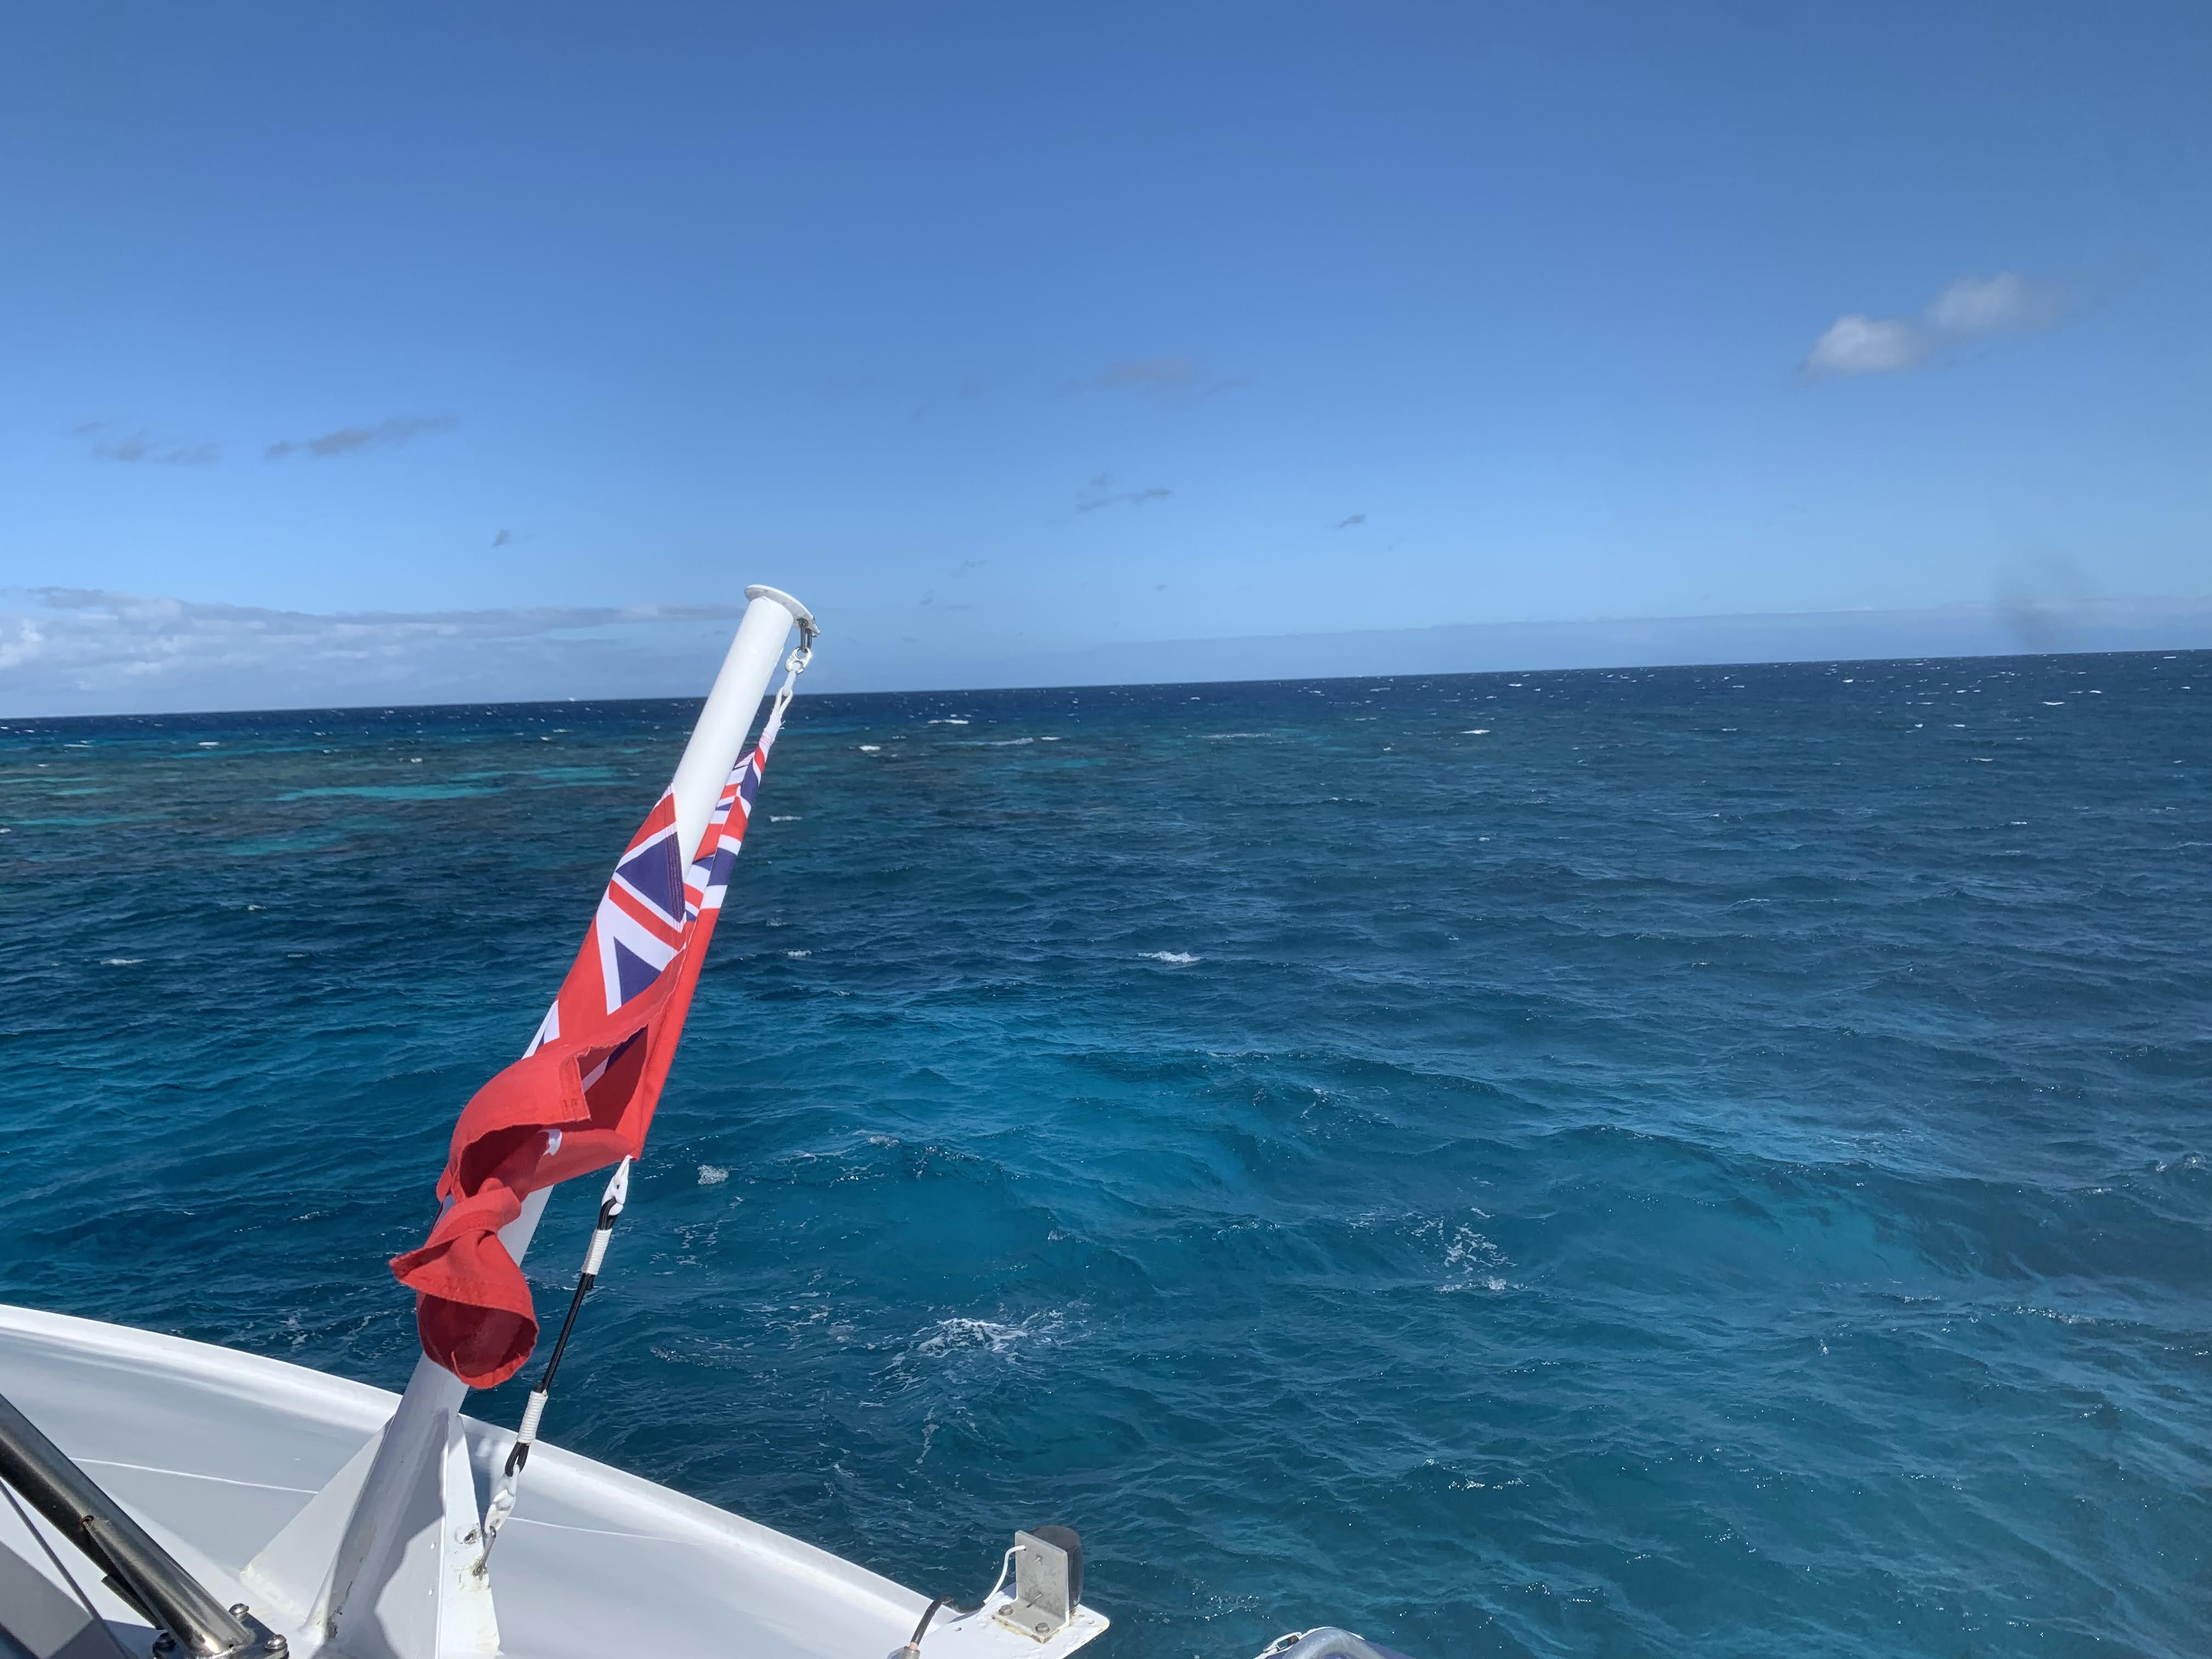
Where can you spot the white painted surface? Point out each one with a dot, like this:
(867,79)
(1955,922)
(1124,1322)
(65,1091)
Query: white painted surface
(215,1452)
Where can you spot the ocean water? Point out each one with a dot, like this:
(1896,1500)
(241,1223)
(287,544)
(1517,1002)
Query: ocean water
(1681,1162)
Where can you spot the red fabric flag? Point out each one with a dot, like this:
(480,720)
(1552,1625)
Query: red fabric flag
(583,1097)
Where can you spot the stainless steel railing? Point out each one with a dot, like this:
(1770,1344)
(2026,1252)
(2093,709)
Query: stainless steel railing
(139,1570)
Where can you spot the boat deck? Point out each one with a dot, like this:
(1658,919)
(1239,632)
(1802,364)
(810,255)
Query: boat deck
(213,1452)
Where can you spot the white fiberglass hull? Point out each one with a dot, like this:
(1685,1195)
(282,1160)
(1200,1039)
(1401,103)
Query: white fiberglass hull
(213,1452)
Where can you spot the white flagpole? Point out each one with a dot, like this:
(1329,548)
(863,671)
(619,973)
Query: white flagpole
(718,737)
(345,1561)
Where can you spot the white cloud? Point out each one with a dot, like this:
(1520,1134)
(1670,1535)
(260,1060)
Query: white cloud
(1870,345)
(78,651)
(1970,307)
(1990,305)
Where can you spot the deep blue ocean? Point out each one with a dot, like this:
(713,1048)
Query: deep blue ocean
(1685,1161)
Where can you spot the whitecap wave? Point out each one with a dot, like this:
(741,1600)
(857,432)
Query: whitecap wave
(1173,958)
(959,1333)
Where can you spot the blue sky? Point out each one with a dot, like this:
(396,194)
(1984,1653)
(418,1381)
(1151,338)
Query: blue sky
(1012,331)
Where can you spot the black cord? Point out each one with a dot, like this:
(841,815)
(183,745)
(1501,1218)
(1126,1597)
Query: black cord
(520,1453)
(914,1642)
(584,1283)
(927,1614)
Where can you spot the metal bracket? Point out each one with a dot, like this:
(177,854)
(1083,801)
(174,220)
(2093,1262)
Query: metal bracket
(1047,1582)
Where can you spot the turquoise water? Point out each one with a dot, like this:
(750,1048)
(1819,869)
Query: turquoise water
(1686,1162)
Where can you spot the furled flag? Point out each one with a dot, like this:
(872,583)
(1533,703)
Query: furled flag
(582,1097)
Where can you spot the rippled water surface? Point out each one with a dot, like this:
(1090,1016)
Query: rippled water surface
(1685,1162)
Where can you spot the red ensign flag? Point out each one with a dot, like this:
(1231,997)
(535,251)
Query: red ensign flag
(582,1097)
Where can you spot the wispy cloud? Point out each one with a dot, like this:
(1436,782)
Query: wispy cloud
(111,444)
(65,650)
(970,390)
(352,439)
(1167,379)
(2006,302)
(1969,309)
(1100,493)
(1869,345)
(1154,374)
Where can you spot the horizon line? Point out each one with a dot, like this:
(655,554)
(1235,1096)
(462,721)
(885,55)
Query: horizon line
(1911,660)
